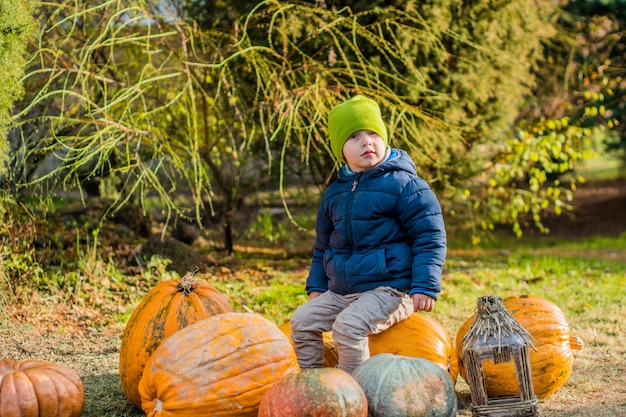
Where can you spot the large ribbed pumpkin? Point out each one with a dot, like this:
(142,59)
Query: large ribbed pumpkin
(403,386)
(33,388)
(323,392)
(170,306)
(418,336)
(551,364)
(220,366)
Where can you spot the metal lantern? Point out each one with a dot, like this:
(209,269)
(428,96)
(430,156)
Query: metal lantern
(496,336)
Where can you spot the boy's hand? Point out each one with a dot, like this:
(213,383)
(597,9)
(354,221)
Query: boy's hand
(422,302)
(314,294)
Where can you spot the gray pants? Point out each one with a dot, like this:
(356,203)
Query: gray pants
(352,318)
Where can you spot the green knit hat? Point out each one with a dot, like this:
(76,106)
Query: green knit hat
(358,113)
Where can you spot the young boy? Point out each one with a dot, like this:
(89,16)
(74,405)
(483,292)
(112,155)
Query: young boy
(380,246)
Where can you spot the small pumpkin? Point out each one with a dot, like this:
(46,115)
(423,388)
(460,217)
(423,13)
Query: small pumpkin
(32,388)
(323,392)
(168,307)
(551,364)
(418,336)
(220,366)
(403,386)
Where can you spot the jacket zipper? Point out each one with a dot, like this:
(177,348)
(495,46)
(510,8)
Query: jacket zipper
(355,183)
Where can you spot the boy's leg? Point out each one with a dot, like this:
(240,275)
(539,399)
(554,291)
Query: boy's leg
(308,322)
(370,312)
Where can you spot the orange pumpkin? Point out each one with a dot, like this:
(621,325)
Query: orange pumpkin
(323,392)
(170,306)
(33,388)
(418,336)
(220,366)
(551,364)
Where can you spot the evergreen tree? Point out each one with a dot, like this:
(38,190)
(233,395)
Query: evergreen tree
(17,27)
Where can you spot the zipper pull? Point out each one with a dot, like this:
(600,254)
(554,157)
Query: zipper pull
(354,184)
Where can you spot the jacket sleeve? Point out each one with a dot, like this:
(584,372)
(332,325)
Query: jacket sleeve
(317,279)
(421,217)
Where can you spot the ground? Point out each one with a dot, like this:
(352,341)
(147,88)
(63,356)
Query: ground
(50,329)
(599,210)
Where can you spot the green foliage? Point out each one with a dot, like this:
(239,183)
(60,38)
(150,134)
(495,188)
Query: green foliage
(212,14)
(137,94)
(533,161)
(163,108)
(16,28)
(598,7)
(584,78)
(266,228)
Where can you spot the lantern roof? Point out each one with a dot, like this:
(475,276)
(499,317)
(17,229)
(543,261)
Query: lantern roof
(495,327)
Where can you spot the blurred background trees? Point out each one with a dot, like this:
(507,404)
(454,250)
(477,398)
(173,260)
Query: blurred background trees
(194,108)
(600,28)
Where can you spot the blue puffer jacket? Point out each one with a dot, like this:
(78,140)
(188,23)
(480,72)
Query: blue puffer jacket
(379,227)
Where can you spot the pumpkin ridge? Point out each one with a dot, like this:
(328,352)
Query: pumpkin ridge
(11,384)
(71,384)
(43,380)
(223,361)
(158,325)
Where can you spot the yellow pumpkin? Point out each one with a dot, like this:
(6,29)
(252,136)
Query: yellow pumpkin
(550,365)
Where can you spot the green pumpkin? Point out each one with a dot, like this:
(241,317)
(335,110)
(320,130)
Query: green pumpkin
(403,386)
(323,392)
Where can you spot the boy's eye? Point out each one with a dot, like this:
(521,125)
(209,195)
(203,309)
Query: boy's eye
(354,136)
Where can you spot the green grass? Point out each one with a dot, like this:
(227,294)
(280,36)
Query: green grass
(580,277)
(572,282)
(275,295)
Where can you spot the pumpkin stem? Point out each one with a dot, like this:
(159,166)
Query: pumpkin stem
(576,343)
(187,282)
(158,405)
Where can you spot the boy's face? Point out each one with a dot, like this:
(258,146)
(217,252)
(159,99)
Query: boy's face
(363,150)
